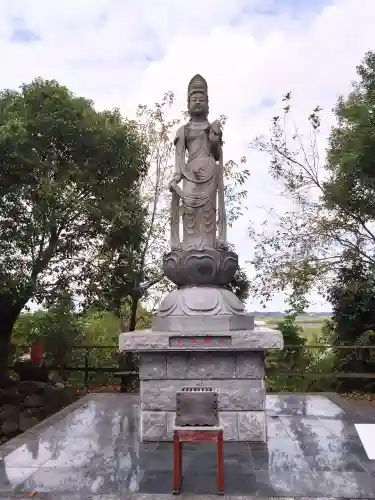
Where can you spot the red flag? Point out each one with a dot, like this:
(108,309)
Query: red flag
(37,352)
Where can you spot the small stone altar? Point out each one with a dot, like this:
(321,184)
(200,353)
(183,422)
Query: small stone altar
(201,335)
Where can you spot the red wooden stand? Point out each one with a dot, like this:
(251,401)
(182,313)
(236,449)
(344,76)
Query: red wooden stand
(203,435)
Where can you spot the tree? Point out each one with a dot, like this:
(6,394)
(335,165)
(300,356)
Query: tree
(333,204)
(60,329)
(69,185)
(124,279)
(353,320)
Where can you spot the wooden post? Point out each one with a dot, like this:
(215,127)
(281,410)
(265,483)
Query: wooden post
(220,463)
(176,464)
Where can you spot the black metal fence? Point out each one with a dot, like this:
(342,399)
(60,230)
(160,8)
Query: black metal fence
(358,352)
(83,360)
(106,363)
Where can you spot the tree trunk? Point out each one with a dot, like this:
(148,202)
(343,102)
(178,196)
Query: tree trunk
(133,312)
(7,322)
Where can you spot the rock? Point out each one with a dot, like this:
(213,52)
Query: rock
(55,377)
(68,396)
(10,428)
(3,396)
(7,383)
(10,396)
(27,421)
(14,397)
(27,371)
(59,396)
(31,387)
(53,397)
(39,413)
(8,412)
(33,401)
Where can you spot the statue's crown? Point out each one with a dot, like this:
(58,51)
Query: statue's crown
(197,84)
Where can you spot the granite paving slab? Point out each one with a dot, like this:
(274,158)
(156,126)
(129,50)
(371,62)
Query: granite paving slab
(72,496)
(94,451)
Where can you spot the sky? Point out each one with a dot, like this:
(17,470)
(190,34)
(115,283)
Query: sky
(121,53)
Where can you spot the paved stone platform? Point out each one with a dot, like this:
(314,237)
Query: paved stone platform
(91,450)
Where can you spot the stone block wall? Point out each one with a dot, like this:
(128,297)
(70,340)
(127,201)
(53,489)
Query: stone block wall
(238,377)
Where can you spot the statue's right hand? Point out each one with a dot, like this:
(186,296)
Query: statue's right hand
(173,188)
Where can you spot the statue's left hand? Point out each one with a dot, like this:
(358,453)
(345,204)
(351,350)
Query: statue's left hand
(216,127)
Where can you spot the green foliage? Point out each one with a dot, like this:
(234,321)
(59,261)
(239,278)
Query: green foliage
(291,359)
(353,321)
(350,191)
(350,186)
(334,215)
(321,362)
(100,327)
(328,240)
(63,329)
(240,285)
(25,330)
(60,329)
(234,189)
(69,187)
(125,277)
(298,357)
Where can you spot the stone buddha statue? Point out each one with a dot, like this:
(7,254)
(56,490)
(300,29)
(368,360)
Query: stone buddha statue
(201,199)
(202,256)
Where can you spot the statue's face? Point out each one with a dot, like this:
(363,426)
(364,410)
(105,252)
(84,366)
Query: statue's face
(198,104)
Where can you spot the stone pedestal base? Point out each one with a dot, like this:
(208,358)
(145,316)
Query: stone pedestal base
(237,377)
(201,301)
(235,370)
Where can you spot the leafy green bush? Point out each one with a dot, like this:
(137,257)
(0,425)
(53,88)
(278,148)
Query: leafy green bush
(291,359)
(64,331)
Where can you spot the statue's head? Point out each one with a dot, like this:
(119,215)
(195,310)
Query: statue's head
(198,97)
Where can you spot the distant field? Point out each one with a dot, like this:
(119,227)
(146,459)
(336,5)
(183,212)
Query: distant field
(312,319)
(312,325)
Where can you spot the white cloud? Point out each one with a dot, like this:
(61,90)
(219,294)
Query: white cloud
(121,53)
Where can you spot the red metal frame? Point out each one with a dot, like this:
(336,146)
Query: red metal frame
(194,436)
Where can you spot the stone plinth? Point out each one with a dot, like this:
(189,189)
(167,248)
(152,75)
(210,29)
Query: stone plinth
(235,370)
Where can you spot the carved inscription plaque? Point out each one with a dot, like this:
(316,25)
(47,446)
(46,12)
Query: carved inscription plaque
(200,341)
(197,406)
